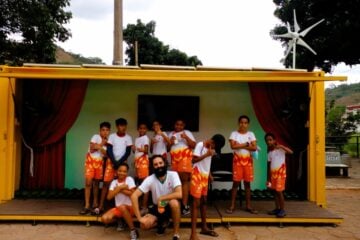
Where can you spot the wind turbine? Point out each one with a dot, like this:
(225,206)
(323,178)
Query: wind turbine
(295,37)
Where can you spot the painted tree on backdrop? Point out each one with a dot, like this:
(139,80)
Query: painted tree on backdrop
(150,49)
(333,40)
(29,29)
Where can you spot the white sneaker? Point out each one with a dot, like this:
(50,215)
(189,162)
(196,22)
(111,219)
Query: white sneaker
(186,211)
(134,234)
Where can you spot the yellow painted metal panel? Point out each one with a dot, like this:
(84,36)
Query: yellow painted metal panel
(7,163)
(316,150)
(163,75)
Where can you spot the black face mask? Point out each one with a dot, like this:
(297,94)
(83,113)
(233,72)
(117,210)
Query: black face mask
(160,171)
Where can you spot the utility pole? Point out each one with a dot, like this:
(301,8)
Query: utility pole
(118,33)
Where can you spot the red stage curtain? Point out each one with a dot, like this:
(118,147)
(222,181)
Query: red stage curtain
(282,108)
(50,107)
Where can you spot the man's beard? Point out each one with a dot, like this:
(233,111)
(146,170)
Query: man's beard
(160,171)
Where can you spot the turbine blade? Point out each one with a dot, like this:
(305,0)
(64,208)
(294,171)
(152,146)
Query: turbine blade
(288,26)
(296,25)
(285,35)
(304,44)
(290,46)
(304,32)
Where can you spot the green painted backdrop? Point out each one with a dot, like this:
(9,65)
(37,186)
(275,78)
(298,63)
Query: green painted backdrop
(220,106)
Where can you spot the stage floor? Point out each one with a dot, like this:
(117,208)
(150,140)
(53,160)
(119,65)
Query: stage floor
(67,210)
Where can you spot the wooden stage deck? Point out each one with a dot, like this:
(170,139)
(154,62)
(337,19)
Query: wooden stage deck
(67,210)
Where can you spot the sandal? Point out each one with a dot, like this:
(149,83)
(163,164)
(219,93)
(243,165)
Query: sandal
(211,233)
(252,211)
(229,210)
(85,211)
(97,211)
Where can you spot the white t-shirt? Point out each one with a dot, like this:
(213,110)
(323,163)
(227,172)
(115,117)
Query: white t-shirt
(182,143)
(205,164)
(119,144)
(120,198)
(140,142)
(157,188)
(276,158)
(96,139)
(159,146)
(242,138)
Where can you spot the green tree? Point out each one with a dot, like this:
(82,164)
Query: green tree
(150,49)
(340,126)
(334,40)
(29,29)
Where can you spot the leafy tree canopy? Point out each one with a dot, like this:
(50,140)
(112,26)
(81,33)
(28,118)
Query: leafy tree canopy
(150,49)
(29,28)
(340,124)
(335,40)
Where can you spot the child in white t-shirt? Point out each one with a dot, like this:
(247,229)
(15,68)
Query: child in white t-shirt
(118,150)
(160,141)
(94,168)
(203,153)
(141,161)
(277,172)
(182,142)
(121,189)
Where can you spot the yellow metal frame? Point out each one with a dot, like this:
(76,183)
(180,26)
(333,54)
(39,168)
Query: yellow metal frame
(9,156)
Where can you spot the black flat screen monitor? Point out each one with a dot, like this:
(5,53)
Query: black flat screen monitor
(167,109)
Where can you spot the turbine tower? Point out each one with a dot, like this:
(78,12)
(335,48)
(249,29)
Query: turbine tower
(295,37)
(118,33)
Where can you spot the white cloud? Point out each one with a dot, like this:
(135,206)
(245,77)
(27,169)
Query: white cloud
(91,9)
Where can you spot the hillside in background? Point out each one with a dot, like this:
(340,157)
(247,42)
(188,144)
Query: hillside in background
(344,94)
(63,57)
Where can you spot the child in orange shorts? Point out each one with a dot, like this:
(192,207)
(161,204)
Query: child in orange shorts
(141,160)
(277,172)
(94,166)
(121,189)
(243,143)
(118,149)
(181,144)
(199,181)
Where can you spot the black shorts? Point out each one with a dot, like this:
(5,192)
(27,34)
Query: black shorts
(163,219)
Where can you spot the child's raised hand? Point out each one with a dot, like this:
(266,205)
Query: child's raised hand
(211,152)
(183,135)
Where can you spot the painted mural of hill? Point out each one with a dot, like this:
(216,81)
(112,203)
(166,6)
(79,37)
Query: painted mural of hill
(344,94)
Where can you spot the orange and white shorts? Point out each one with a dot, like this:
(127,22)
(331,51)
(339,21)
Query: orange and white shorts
(199,183)
(181,160)
(118,213)
(278,184)
(110,172)
(243,168)
(278,178)
(142,166)
(93,167)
